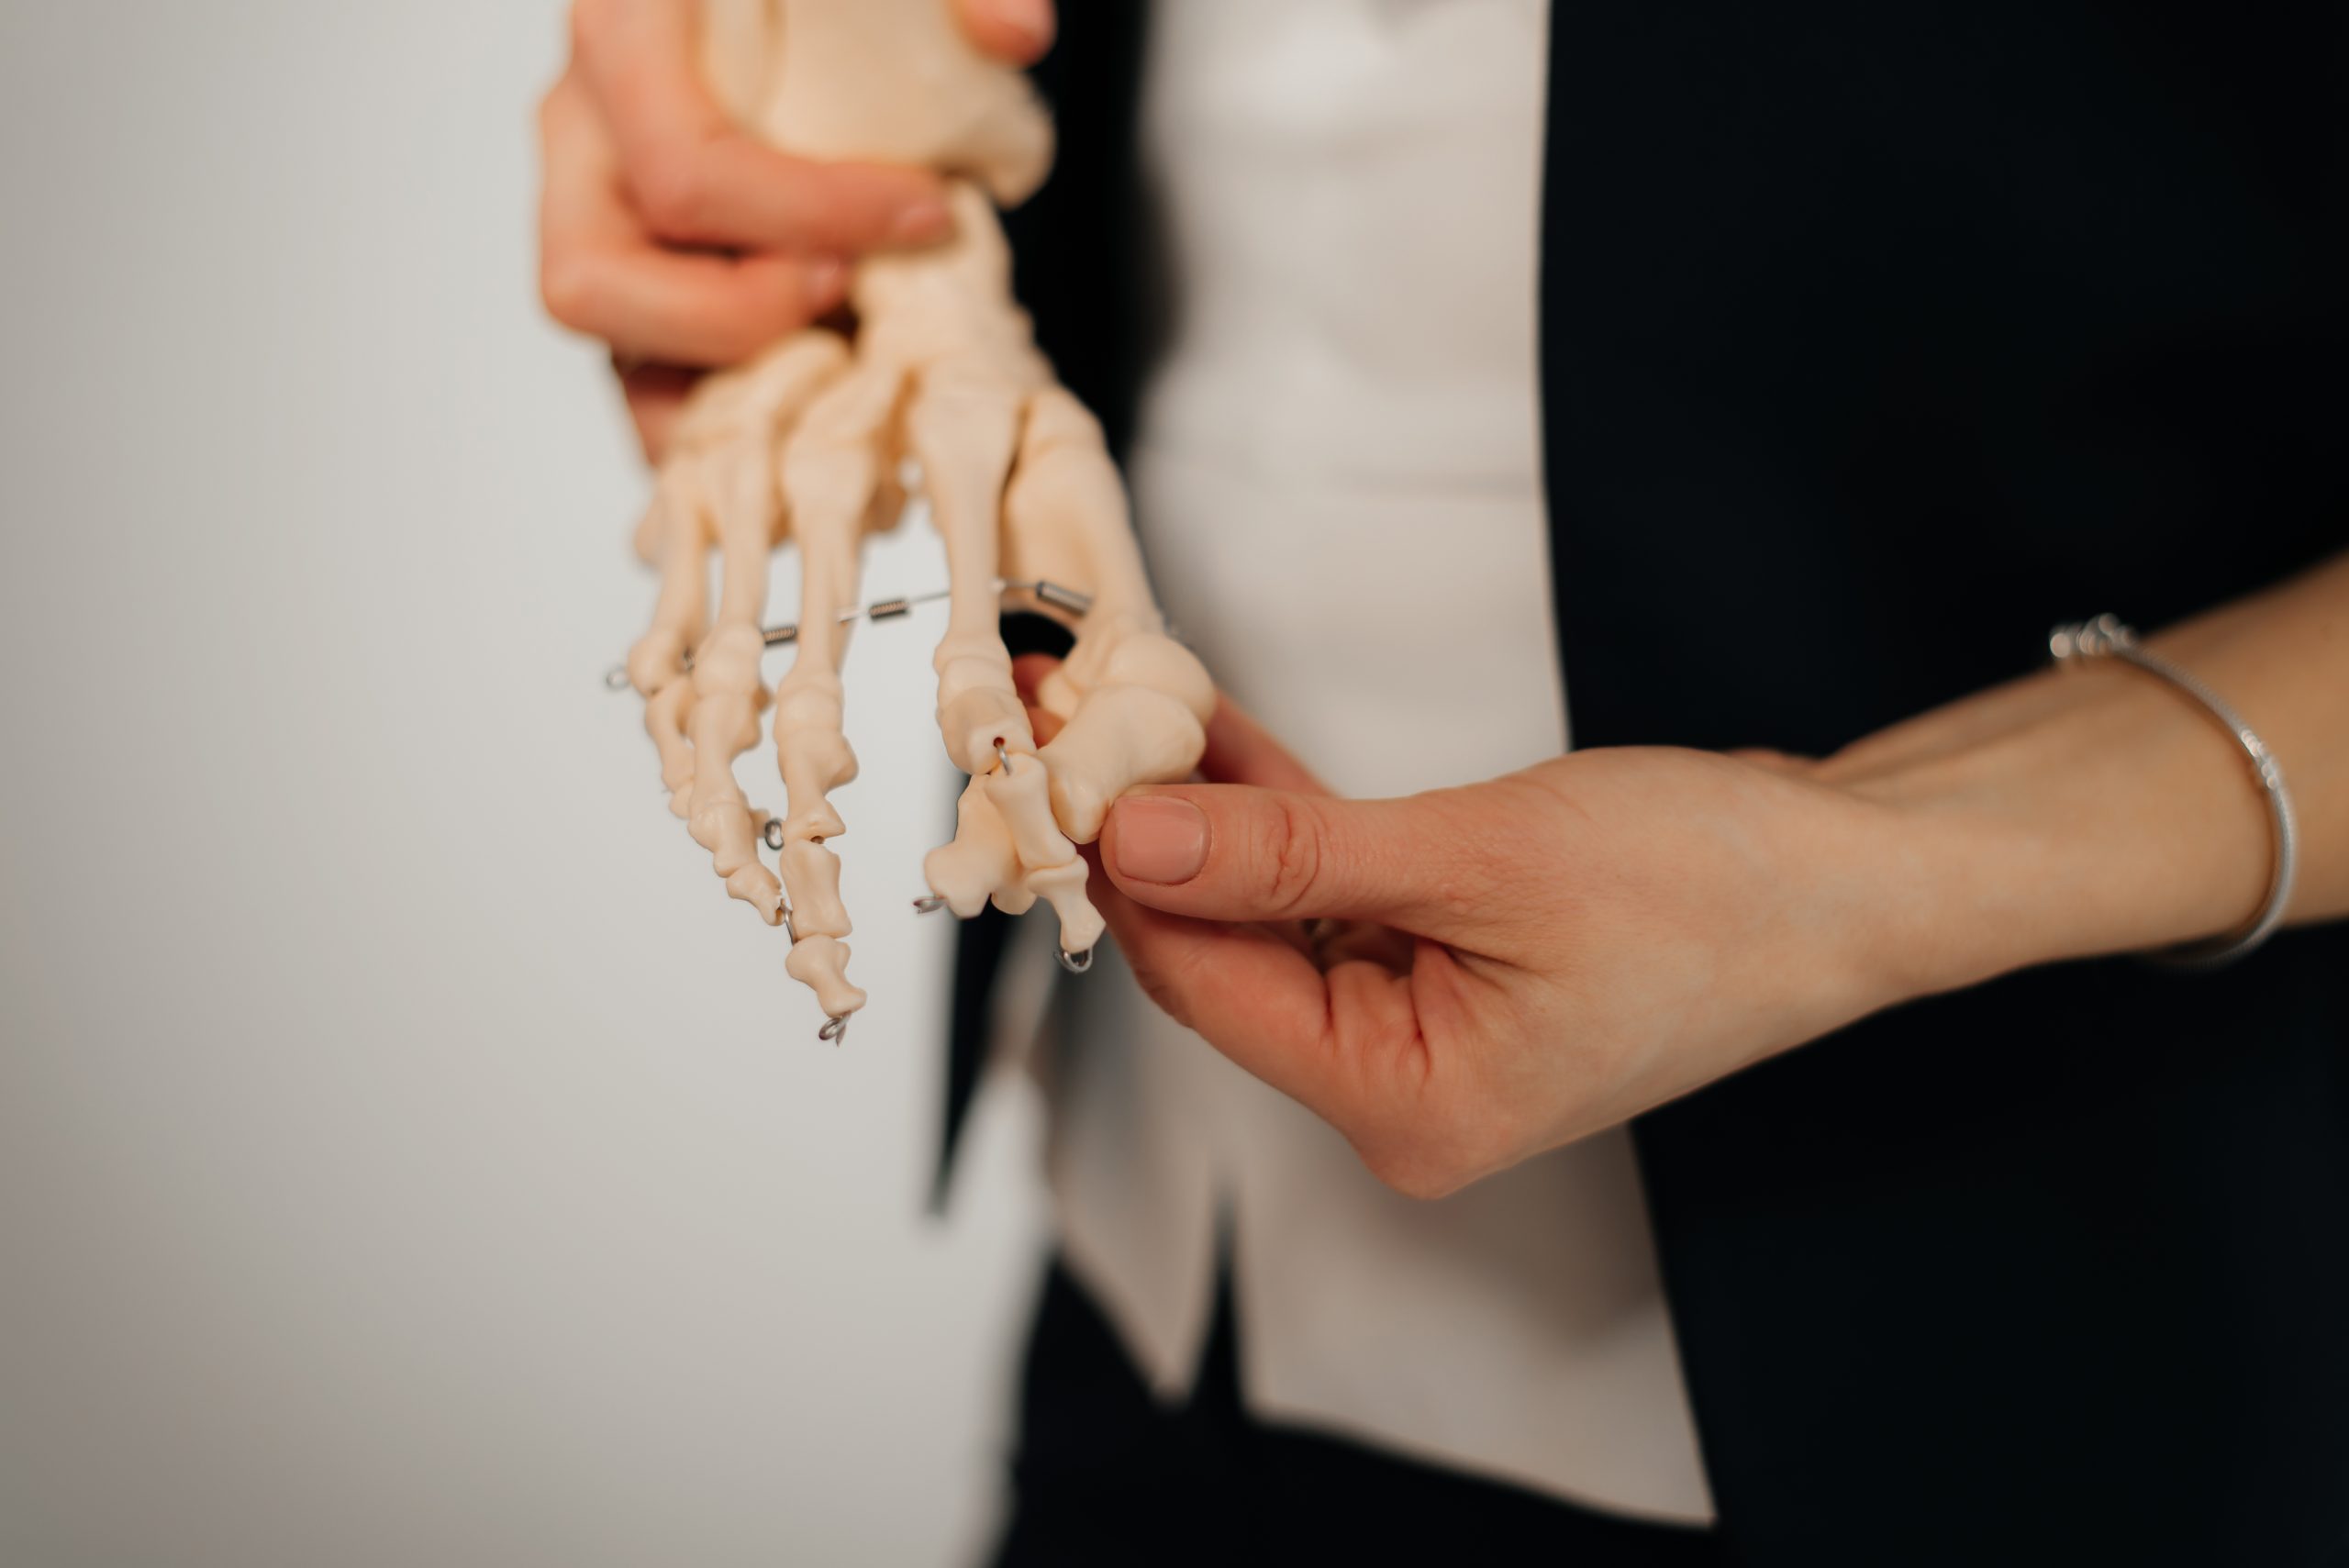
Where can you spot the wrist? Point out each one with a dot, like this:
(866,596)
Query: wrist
(2100,812)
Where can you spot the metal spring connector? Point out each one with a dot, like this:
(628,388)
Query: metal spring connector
(1069,600)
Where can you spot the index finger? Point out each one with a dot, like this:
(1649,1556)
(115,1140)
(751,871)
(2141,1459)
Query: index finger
(600,274)
(698,178)
(1348,1044)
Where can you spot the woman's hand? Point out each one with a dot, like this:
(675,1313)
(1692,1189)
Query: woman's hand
(1463,979)
(682,241)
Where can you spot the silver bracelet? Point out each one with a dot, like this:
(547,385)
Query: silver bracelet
(2107,638)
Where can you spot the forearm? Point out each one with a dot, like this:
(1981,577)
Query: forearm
(2100,810)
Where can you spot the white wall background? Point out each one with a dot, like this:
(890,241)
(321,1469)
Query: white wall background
(408,1156)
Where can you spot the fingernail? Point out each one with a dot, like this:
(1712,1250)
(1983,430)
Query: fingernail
(826,282)
(1161,839)
(925,222)
(1031,19)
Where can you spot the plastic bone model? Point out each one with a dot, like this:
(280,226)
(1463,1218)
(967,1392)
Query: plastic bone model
(809,441)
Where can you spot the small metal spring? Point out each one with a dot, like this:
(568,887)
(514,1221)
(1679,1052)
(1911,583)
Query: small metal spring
(1067,600)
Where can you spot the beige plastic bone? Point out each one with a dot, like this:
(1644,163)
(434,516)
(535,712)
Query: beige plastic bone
(806,443)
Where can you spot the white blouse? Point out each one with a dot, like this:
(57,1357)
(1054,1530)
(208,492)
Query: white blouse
(1338,480)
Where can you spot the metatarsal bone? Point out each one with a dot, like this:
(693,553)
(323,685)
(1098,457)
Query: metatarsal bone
(743,413)
(964,424)
(830,472)
(762,397)
(678,522)
(1067,514)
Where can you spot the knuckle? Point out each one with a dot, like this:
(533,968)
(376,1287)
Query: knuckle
(670,193)
(1292,855)
(726,338)
(766,305)
(732,342)
(567,289)
(589,19)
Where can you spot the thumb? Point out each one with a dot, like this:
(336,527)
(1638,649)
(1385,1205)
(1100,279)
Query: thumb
(1232,852)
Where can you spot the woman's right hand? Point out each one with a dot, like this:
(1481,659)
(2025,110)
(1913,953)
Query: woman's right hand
(685,243)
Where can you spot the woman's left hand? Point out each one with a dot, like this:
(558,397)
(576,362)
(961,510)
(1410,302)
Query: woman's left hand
(1461,979)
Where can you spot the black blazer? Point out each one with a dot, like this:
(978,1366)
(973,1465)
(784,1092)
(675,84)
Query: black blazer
(1876,338)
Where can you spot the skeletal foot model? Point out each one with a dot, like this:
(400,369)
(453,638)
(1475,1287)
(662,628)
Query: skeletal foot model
(817,440)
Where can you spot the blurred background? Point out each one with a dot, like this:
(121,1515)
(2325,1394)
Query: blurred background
(407,1154)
